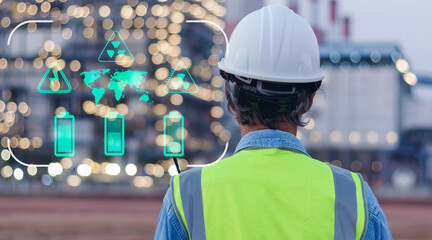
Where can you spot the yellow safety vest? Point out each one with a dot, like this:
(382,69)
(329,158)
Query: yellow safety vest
(270,194)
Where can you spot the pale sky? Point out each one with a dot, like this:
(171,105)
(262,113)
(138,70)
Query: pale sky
(405,22)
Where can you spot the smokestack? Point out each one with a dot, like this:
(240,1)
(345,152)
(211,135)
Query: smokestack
(315,20)
(333,11)
(346,28)
(333,26)
(314,13)
(293,5)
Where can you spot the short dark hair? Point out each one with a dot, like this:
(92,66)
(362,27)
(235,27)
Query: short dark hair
(250,105)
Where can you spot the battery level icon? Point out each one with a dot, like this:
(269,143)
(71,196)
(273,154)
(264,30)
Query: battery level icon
(114,135)
(173,134)
(64,135)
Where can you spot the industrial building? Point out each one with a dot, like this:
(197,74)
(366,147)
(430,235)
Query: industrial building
(356,119)
(366,117)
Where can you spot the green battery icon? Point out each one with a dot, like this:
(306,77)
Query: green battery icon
(114,135)
(173,135)
(64,135)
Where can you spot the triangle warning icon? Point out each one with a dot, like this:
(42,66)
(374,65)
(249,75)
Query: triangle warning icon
(180,81)
(54,80)
(115,50)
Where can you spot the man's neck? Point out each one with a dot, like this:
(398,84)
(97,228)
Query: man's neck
(245,129)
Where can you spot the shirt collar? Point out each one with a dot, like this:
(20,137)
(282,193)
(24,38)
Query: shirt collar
(270,138)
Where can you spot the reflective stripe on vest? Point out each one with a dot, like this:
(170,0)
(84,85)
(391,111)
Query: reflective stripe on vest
(187,196)
(350,207)
(350,204)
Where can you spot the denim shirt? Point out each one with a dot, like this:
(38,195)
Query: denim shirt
(169,227)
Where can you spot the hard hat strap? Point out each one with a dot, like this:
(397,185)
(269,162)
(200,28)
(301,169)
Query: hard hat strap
(262,87)
(266,106)
(245,96)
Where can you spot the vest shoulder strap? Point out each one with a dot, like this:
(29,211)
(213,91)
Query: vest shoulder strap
(187,202)
(351,211)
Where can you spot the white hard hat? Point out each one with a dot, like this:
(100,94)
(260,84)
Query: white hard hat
(274,44)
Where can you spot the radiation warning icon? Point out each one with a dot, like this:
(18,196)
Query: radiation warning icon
(54,80)
(115,50)
(180,81)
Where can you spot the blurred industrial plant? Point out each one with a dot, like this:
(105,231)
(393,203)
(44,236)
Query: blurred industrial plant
(369,117)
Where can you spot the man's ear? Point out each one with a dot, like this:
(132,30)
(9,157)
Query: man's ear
(311,98)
